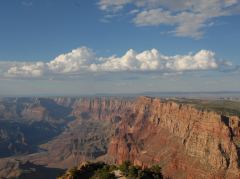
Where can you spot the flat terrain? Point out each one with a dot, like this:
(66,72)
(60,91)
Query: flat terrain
(223,107)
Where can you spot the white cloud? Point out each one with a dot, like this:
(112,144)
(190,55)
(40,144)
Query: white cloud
(203,60)
(113,5)
(75,61)
(27,70)
(83,60)
(187,24)
(187,17)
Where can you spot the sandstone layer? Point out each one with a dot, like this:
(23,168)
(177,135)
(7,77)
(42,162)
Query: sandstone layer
(188,143)
(184,141)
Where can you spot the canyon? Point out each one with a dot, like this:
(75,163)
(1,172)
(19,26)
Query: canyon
(61,132)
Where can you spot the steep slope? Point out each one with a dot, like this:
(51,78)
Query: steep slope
(27,122)
(187,142)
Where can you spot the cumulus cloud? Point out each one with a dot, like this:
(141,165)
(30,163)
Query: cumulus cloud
(27,70)
(187,17)
(152,60)
(75,61)
(83,60)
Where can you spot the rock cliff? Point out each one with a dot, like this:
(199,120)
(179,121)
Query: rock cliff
(185,141)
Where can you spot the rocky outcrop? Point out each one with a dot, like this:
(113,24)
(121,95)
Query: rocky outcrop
(36,113)
(187,142)
(101,108)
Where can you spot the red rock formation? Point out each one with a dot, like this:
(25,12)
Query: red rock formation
(188,143)
(100,108)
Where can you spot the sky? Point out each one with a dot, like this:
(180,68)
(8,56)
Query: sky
(81,47)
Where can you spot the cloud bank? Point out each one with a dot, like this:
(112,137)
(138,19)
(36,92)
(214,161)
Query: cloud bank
(84,60)
(187,17)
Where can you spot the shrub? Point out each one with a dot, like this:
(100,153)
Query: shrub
(101,170)
(103,173)
(124,167)
(132,172)
(156,169)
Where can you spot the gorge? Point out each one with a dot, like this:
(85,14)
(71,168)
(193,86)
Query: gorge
(62,132)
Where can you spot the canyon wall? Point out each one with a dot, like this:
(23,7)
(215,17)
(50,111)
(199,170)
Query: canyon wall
(186,142)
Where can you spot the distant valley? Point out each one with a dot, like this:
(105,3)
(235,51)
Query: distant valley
(188,138)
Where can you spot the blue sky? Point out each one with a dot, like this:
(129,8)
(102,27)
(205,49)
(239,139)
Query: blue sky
(82,47)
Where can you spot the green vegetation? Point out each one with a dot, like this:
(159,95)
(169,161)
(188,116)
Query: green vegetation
(223,107)
(86,170)
(135,172)
(124,167)
(105,171)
